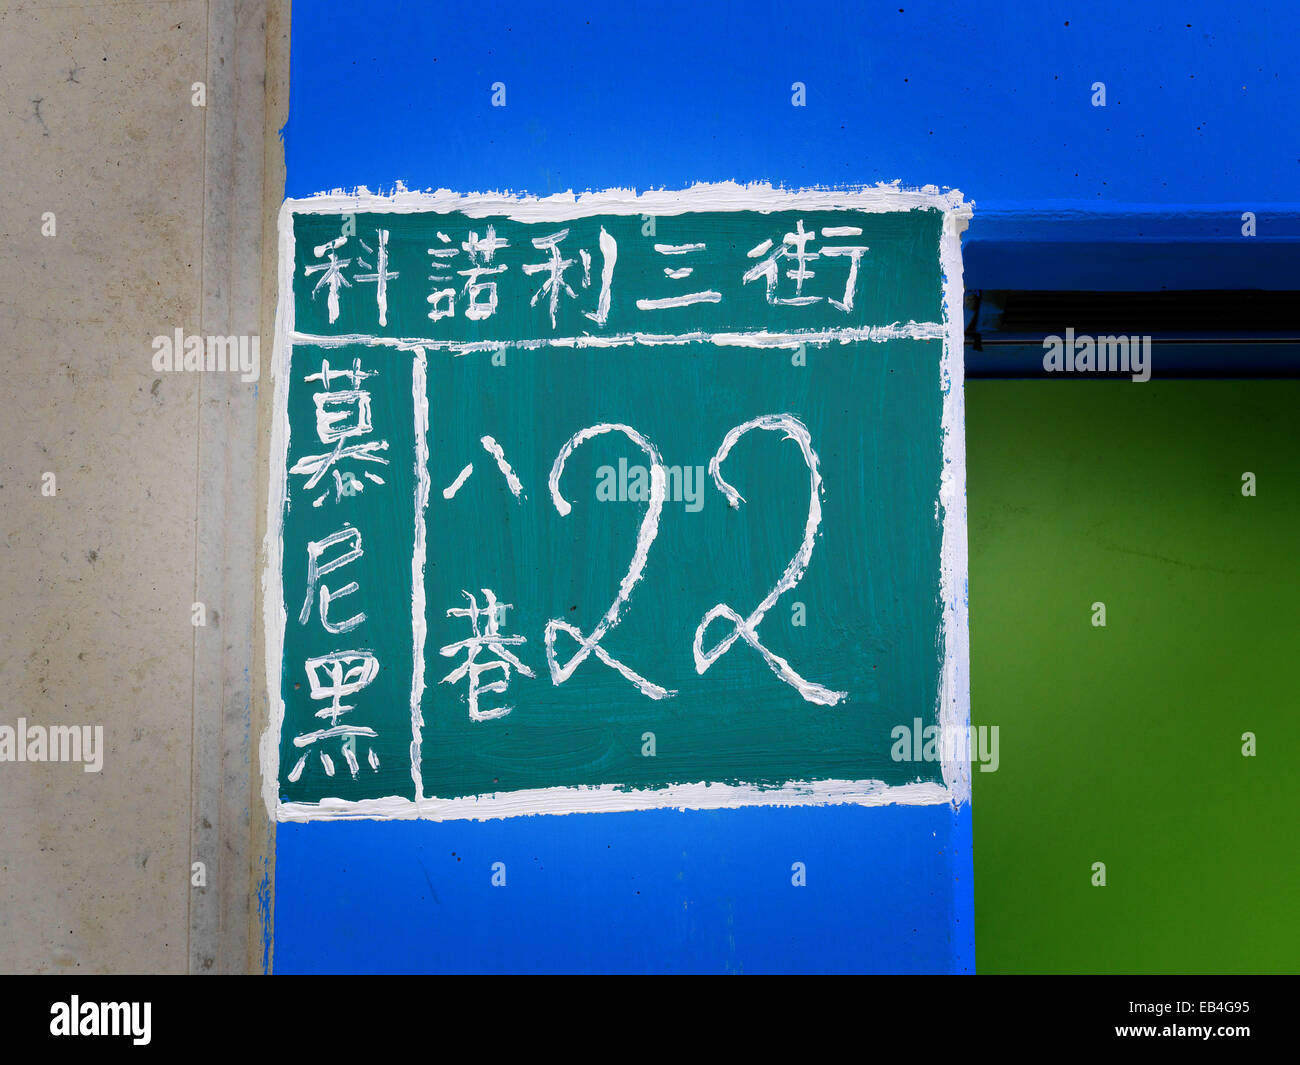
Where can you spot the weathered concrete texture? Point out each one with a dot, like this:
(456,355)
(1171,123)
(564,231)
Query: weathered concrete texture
(229,826)
(261,842)
(97,582)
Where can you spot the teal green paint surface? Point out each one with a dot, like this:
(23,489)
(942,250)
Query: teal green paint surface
(870,598)
(1123,744)
(871,591)
(384,515)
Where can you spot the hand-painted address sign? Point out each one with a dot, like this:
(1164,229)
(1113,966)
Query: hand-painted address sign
(615,501)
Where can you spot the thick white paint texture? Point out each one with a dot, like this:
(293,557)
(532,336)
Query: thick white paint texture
(645,537)
(498,452)
(746,628)
(759,339)
(609,798)
(491,640)
(609,252)
(954,699)
(450,491)
(420,398)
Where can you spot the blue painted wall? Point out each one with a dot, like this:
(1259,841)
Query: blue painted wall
(993,99)
(990,98)
(889,890)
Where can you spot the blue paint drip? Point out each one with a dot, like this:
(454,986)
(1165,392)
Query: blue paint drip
(266,914)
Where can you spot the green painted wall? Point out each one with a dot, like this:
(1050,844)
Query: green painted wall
(1123,744)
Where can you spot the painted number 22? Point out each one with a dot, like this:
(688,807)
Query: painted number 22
(743,628)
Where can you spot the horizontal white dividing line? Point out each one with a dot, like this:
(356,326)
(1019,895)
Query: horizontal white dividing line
(761,339)
(610,798)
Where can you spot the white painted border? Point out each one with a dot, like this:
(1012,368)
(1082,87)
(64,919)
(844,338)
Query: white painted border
(610,798)
(755,339)
(954,690)
(420,401)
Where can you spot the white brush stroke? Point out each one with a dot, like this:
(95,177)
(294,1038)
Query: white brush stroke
(450,491)
(756,339)
(609,251)
(498,452)
(646,534)
(679,301)
(420,398)
(609,798)
(746,628)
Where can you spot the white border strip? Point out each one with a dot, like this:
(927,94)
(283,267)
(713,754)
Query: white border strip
(609,798)
(954,678)
(702,196)
(756,339)
(954,691)
(420,400)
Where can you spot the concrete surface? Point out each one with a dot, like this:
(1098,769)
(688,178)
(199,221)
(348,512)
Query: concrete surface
(160,208)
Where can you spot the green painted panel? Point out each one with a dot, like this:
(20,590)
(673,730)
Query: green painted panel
(381,520)
(1123,744)
(870,595)
(830,597)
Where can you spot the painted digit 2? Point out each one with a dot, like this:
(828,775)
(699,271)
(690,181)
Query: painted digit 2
(645,537)
(746,628)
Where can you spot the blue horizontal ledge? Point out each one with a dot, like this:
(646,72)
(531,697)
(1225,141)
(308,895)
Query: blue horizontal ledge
(1134,248)
(1172,360)
(1132,266)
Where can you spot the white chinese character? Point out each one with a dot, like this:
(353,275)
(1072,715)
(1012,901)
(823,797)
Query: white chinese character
(480,257)
(556,265)
(794,247)
(332,677)
(442,300)
(381,276)
(331,274)
(341,415)
(507,471)
(316,570)
(488,636)
(679,273)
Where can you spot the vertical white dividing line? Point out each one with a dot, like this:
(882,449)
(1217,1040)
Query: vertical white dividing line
(954,676)
(419,394)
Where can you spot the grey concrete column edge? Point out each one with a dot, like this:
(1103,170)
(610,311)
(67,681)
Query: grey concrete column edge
(246,92)
(262,854)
